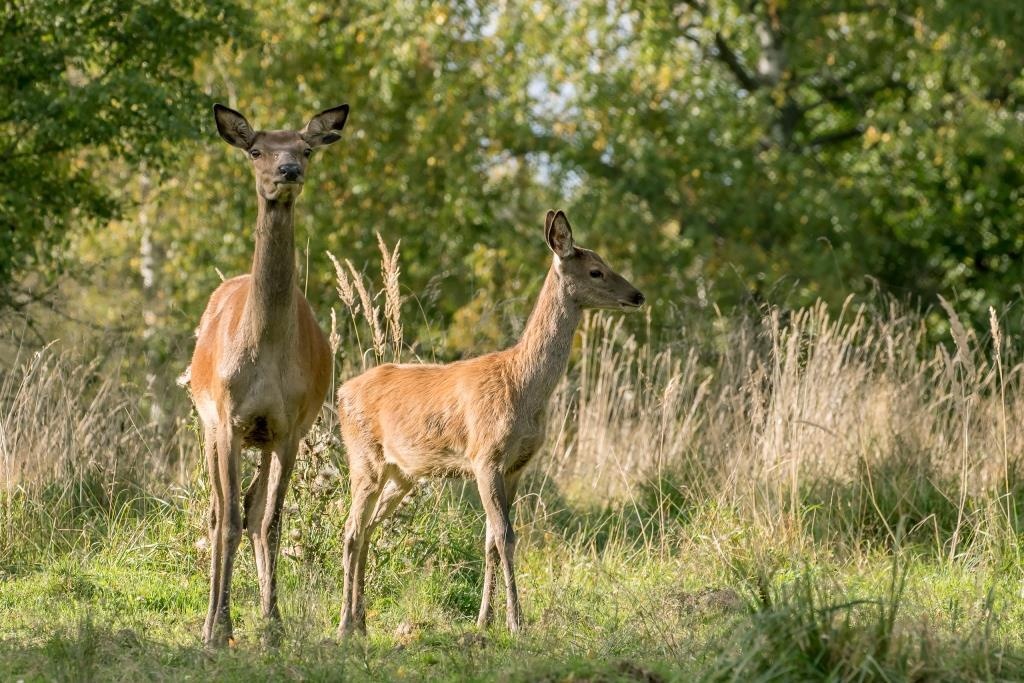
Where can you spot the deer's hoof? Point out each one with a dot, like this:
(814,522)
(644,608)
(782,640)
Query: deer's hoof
(350,631)
(272,636)
(215,640)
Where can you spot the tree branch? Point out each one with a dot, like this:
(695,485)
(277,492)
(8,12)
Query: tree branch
(731,60)
(836,94)
(837,136)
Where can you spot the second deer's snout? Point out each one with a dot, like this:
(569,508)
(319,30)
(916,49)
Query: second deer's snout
(290,172)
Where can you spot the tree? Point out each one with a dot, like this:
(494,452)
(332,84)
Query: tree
(718,152)
(419,161)
(787,151)
(85,88)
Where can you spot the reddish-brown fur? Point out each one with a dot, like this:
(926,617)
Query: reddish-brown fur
(219,329)
(261,366)
(481,418)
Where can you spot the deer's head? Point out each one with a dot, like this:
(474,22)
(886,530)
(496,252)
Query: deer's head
(279,157)
(584,275)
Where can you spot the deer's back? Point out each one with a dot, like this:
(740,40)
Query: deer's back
(432,420)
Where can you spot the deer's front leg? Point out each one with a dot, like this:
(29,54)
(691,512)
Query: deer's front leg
(491,483)
(492,559)
(213,530)
(226,531)
(263,504)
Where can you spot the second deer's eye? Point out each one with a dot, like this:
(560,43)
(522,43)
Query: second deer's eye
(255,153)
(308,151)
(596,273)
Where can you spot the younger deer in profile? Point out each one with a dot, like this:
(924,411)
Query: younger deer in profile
(261,366)
(481,418)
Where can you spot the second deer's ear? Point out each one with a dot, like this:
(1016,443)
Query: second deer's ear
(325,127)
(233,127)
(559,235)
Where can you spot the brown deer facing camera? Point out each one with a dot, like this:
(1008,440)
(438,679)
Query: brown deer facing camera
(481,418)
(261,366)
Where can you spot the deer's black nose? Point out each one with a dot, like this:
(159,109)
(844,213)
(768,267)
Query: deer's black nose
(639,299)
(290,171)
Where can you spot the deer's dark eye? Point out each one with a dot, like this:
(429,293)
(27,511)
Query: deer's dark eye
(255,153)
(308,151)
(596,273)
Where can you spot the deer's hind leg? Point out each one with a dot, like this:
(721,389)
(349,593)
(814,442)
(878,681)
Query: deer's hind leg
(366,485)
(255,502)
(263,503)
(394,492)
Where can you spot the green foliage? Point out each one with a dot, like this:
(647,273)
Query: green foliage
(720,153)
(420,160)
(801,632)
(788,151)
(84,89)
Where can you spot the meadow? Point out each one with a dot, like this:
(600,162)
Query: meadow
(802,461)
(778,495)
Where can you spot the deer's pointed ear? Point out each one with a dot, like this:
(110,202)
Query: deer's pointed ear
(547,221)
(233,127)
(559,235)
(325,127)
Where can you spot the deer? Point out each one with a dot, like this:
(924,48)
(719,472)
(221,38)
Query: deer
(482,418)
(261,367)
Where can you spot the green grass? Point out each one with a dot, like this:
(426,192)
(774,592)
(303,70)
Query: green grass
(103,612)
(621,593)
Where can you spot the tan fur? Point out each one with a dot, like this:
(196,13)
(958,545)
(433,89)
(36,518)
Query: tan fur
(260,369)
(480,418)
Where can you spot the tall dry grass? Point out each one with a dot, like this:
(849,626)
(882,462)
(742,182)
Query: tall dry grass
(850,422)
(744,437)
(77,454)
(783,412)
(837,425)
(62,417)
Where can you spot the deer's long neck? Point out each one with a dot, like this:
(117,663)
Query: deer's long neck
(542,353)
(271,296)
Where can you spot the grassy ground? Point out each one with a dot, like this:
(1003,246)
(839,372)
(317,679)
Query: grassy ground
(117,591)
(804,497)
(129,601)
